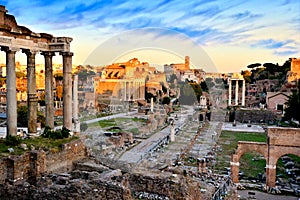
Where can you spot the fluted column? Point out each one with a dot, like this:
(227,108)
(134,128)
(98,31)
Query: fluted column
(243,93)
(67,89)
(229,93)
(31,92)
(75,105)
(49,89)
(11,94)
(124,94)
(237,93)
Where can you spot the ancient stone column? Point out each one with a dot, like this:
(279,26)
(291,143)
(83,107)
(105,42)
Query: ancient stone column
(234,168)
(243,93)
(125,90)
(151,106)
(67,89)
(75,105)
(172,135)
(237,93)
(11,94)
(49,89)
(229,93)
(31,92)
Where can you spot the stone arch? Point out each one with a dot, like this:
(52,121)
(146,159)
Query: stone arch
(275,153)
(244,147)
(281,141)
(278,152)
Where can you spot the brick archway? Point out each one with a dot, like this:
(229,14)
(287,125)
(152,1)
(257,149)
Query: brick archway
(281,141)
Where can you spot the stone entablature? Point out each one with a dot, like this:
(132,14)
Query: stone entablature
(18,37)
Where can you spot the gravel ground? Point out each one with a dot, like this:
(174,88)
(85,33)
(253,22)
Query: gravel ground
(264,196)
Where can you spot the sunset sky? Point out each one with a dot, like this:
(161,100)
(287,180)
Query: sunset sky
(218,35)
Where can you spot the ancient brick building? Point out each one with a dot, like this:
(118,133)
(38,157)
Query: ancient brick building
(281,141)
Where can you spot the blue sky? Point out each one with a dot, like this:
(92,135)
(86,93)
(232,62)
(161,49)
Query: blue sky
(233,33)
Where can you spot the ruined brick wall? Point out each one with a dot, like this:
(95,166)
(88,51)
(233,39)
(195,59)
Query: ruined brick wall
(284,136)
(63,160)
(177,188)
(3,170)
(32,164)
(281,141)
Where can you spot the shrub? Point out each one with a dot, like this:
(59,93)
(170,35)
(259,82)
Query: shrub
(12,140)
(58,134)
(83,127)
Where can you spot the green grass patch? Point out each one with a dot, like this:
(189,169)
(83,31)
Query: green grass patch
(116,122)
(107,123)
(45,144)
(251,163)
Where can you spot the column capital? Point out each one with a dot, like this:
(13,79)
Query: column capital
(48,53)
(66,53)
(29,51)
(10,49)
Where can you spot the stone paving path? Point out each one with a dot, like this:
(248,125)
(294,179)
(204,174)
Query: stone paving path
(202,145)
(139,152)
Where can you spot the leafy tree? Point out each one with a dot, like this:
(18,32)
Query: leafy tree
(2,81)
(204,86)
(197,90)
(218,81)
(190,92)
(83,127)
(22,119)
(59,92)
(293,105)
(20,75)
(251,66)
(172,78)
(166,100)
(59,76)
(148,96)
(209,82)
(247,76)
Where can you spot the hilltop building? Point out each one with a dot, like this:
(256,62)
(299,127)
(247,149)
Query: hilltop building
(294,74)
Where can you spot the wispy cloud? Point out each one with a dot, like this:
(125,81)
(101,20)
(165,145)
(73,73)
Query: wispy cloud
(271,44)
(206,22)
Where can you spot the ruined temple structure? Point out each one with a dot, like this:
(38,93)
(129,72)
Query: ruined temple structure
(236,78)
(15,38)
(280,141)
